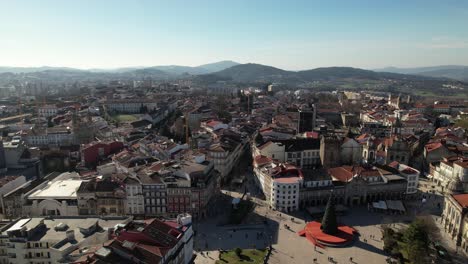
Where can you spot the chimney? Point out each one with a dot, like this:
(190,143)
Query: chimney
(70,235)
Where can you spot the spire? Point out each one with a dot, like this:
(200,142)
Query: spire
(329,224)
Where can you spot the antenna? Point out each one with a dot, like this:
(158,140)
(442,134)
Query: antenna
(187,138)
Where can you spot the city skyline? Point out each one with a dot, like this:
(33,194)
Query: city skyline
(294,36)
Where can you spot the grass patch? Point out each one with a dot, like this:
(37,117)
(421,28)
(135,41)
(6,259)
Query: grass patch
(124,118)
(253,256)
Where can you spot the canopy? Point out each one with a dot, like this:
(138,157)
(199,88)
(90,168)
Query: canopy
(380,205)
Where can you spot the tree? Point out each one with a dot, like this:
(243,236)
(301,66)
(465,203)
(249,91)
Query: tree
(329,224)
(416,242)
(238,252)
(416,232)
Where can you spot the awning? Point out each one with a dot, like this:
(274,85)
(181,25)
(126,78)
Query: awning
(396,205)
(380,205)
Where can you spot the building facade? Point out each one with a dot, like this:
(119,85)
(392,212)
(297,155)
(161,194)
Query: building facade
(455,219)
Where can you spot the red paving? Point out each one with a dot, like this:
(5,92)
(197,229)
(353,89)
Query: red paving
(314,234)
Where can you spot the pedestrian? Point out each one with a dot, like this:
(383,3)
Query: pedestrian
(351,259)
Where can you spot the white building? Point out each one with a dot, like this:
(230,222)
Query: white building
(130,106)
(52,240)
(411,175)
(55,197)
(47,110)
(54,136)
(279,182)
(451,174)
(455,219)
(135,201)
(304,153)
(227,151)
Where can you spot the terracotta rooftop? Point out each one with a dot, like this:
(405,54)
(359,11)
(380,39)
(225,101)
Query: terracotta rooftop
(462,199)
(433,146)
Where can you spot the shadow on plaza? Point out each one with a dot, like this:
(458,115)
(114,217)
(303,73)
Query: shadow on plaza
(367,246)
(361,216)
(258,233)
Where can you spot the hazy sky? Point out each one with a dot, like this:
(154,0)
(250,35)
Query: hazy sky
(287,34)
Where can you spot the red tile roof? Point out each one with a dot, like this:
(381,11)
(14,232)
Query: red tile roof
(213,123)
(433,146)
(312,134)
(462,199)
(441,106)
(261,160)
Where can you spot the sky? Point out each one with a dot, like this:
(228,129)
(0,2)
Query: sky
(288,34)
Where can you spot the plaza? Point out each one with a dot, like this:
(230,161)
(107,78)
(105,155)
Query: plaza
(289,247)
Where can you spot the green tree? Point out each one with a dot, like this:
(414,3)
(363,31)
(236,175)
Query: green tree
(416,242)
(329,223)
(238,252)
(416,232)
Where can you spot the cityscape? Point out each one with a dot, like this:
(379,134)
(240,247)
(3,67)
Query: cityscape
(152,132)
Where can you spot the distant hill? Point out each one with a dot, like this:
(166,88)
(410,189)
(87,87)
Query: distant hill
(34,69)
(168,69)
(243,73)
(179,70)
(256,72)
(252,72)
(329,73)
(218,66)
(456,72)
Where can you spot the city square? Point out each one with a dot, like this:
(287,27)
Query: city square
(289,247)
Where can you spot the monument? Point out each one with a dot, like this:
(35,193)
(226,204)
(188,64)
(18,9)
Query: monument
(328,232)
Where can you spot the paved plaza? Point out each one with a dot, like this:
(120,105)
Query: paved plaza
(264,226)
(288,246)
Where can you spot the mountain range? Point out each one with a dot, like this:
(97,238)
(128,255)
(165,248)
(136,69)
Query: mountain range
(456,72)
(252,72)
(170,69)
(241,73)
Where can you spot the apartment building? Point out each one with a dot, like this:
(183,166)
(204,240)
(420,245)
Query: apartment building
(280,182)
(101,197)
(52,240)
(226,151)
(303,152)
(47,110)
(455,219)
(148,241)
(451,174)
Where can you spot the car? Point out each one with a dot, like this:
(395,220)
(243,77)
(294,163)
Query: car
(441,251)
